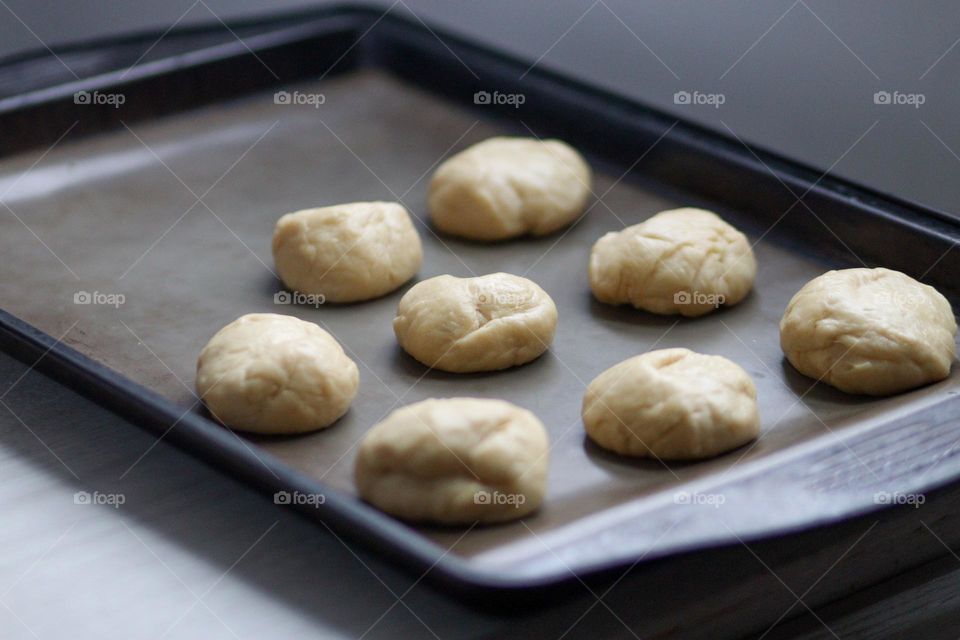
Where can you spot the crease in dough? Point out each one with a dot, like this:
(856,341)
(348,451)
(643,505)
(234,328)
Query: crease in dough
(682,261)
(455,461)
(275,374)
(484,323)
(506,187)
(347,252)
(671,404)
(869,331)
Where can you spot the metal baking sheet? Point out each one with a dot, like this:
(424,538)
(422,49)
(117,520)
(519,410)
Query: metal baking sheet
(134,246)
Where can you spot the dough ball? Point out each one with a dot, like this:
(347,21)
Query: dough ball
(486,323)
(507,187)
(268,373)
(686,261)
(347,252)
(869,331)
(455,461)
(672,404)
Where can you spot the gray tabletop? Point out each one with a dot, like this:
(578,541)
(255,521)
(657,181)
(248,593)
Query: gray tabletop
(108,534)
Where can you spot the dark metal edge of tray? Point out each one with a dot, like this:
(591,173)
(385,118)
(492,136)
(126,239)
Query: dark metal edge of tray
(688,157)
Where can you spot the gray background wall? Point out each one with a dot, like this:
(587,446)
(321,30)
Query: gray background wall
(798,76)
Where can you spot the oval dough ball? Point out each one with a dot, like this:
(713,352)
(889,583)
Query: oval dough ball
(347,252)
(455,461)
(672,404)
(686,261)
(507,187)
(485,323)
(267,373)
(869,331)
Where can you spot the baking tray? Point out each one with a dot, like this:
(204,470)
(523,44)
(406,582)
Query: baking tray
(169,201)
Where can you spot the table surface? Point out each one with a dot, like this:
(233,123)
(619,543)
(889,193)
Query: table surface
(193,554)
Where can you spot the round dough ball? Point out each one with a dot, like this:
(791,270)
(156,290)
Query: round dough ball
(347,252)
(672,404)
(455,461)
(686,261)
(869,331)
(267,373)
(485,323)
(507,187)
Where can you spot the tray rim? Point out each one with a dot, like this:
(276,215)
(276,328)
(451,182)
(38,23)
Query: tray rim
(213,444)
